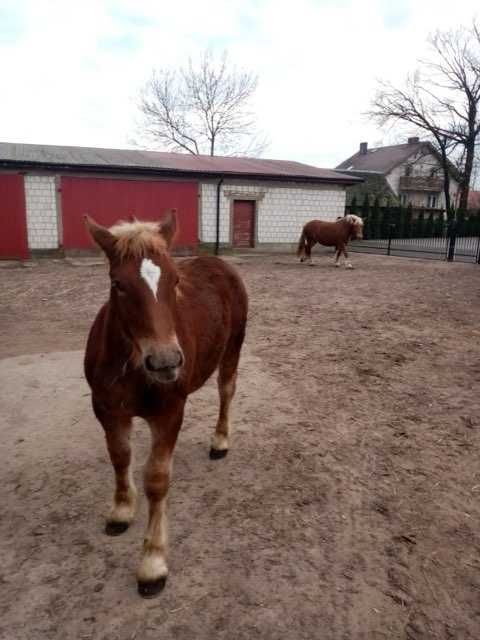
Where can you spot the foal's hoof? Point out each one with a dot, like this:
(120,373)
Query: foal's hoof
(151,588)
(217,454)
(116,528)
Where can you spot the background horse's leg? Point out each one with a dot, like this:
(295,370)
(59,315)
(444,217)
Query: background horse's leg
(348,265)
(121,514)
(152,572)
(308,251)
(227,377)
(337,255)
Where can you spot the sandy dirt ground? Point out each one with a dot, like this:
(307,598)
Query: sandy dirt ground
(348,507)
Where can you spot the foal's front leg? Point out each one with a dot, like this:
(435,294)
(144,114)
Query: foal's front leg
(153,570)
(122,512)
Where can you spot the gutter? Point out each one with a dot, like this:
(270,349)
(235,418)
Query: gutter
(217,229)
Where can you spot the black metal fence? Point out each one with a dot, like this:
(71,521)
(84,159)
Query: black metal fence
(420,233)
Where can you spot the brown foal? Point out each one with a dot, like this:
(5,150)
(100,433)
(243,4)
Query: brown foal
(164,330)
(331,234)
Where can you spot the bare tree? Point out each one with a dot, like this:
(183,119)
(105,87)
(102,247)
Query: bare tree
(442,98)
(203,107)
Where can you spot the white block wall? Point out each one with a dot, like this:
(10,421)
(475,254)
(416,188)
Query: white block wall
(41,207)
(281,213)
(208,214)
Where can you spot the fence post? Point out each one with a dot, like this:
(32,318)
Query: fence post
(452,236)
(390,232)
(478,251)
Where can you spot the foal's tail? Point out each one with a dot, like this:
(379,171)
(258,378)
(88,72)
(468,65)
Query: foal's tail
(301,244)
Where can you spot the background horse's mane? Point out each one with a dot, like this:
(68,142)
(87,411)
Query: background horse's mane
(136,239)
(353,219)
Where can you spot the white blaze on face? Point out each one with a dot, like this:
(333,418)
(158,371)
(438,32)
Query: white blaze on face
(151,273)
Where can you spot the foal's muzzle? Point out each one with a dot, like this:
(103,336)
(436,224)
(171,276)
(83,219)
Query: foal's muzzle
(164,364)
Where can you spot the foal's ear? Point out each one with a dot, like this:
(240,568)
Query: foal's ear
(101,236)
(168,227)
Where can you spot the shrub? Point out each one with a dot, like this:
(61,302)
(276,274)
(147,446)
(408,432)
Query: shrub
(408,221)
(375,219)
(353,205)
(461,223)
(439,227)
(420,225)
(429,226)
(385,221)
(366,217)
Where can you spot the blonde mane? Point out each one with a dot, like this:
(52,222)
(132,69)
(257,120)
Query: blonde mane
(356,220)
(136,239)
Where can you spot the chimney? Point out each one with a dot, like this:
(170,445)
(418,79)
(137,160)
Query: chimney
(363,147)
(413,140)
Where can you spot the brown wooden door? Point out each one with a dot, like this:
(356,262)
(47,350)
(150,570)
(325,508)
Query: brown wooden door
(243,223)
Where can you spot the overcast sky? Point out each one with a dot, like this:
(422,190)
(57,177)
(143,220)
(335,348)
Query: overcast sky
(71,70)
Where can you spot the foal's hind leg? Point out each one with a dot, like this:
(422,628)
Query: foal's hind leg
(227,377)
(122,511)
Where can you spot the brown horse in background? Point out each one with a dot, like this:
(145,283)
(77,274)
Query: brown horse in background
(164,330)
(330,234)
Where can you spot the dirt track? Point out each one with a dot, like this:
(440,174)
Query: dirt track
(348,507)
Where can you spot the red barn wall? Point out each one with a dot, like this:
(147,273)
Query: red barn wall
(109,200)
(13,222)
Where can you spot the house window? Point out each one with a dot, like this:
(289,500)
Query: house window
(403,199)
(432,201)
(433,173)
(408,170)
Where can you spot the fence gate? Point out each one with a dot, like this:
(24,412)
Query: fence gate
(389,233)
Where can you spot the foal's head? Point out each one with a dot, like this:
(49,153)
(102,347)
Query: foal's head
(356,226)
(143,291)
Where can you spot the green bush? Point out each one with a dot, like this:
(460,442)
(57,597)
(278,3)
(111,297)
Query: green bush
(476,224)
(469,224)
(420,225)
(353,206)
(408,221)
(461,223)
(366,217)
(385,221)
(400,223)
(375,219)
(429,226)
(439,227)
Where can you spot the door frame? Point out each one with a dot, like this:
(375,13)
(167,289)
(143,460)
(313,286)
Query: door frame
(254,222)
(256,197)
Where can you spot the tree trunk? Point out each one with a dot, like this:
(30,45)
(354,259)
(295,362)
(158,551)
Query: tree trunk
(467,173)
(446,178)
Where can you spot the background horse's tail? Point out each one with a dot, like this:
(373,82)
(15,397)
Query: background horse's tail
(301,244)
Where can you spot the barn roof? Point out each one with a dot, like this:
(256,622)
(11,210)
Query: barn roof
(155,162)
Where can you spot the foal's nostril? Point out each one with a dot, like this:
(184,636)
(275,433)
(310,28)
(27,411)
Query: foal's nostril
(179,359)
(151,363)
